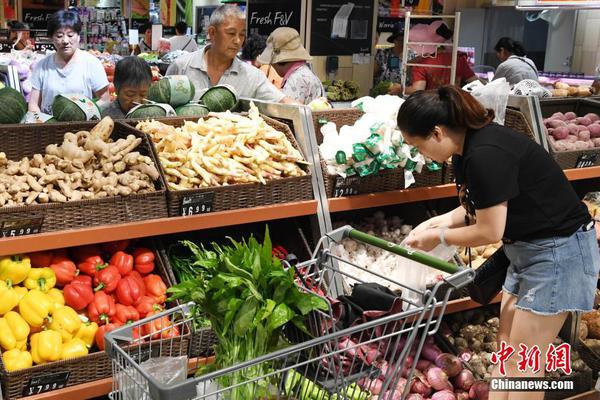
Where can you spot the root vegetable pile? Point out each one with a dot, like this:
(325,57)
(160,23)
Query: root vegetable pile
(568,132)
(87,165)
(223,149)
(479,254)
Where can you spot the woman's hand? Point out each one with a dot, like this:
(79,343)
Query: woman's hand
(425,240)
(430,223)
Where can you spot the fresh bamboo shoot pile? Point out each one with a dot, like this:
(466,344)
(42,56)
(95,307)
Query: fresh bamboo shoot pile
(223,149)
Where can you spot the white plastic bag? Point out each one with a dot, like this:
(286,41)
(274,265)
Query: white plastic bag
(494,95)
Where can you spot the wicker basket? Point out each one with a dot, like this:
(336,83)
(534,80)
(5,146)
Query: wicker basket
(232,197)
(582,382)
(383,181)
(589,356)
(576,158)
(19,141)
(89,368)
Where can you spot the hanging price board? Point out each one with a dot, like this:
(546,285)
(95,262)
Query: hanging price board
(201,203)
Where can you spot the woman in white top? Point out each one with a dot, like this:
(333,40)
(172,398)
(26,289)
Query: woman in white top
(515,66)
(69,70)
(286,54)
(181,41)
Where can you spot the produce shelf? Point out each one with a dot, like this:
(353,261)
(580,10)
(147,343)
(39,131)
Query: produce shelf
(84,391)
(155,227)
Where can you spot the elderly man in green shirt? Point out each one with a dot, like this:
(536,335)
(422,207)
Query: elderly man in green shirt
(217,63)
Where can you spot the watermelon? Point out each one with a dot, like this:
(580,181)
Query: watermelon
(153,110)
(74,107)
(13,106)
(175,90)
(219,98)
(192,110)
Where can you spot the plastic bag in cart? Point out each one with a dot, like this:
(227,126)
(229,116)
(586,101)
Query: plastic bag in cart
(166,370)
(494,95)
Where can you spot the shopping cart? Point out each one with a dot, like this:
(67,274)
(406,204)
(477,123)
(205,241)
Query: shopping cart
(378,352)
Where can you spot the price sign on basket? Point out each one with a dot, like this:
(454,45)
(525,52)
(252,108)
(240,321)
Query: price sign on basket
(346,186)
(46,383)
(586,160)
(21,227)
(201,203)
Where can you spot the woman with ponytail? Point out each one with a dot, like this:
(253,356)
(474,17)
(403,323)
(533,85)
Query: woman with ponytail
(510,189)
(515,66)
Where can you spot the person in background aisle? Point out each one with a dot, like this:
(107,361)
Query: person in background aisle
(285,53)
(181,41)
(426,78)
(510,188)
(515,66)
(145,44)
(217,63)
(133,78)
(69,70)
(255,44)
(388,62)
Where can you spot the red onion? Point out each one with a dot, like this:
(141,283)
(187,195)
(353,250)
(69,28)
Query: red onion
(466,356)
(415,396)
(443,395)
(479,391)
(430,352)
(391,395)
(423,365)
(462,396)
(400,385)
(438,379)
(449,363)
(464,380)
(420,385)
(372,385)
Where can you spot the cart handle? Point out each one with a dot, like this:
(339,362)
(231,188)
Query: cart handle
(423,258)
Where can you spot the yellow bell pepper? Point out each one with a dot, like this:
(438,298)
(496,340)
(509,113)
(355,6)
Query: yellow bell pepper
(42,279)
(13,331)
(14,268)
(57,297)
(46,346)
(87,332)
(16,359)
(35,308)
(9,298)
(21,291)
(74,348)
(66,321)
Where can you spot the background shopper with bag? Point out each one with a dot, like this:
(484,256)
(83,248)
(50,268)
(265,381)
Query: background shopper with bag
(511,189)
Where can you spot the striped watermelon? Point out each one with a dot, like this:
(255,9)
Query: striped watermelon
(13,106)
(70,107)
(175,90)
(219,98)
(192,110)
(153,110)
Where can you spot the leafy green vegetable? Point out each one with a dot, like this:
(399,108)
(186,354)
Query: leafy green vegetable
(248,297)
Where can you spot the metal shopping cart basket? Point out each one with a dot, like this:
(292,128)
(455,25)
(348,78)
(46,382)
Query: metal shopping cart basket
(376,353)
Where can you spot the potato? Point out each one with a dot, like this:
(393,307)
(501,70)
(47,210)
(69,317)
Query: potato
(584,135)
(573,129)
(594,130)
(584,91)
(560,93)
(594,328)
(592,116)
(478,262)
(572,91)
(474,252)
(556,123)
(584,121)
(561,85)
(560,145)
(561,133)
(480,249)
(464,257)
(572,138)
(596,142)
(570,115)
(488,252)
(558,115)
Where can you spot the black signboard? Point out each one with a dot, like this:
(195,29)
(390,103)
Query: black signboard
(37,18)
(200,203)
(46,383)
(264,16)
(331,36)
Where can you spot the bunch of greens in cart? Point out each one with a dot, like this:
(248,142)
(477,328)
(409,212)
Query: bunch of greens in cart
(249,297)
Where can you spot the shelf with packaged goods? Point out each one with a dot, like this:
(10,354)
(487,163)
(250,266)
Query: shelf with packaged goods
(426,193)
(155,227)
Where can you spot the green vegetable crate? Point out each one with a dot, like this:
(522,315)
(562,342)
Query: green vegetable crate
(304,358)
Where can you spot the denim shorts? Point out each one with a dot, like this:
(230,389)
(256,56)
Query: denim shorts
(553,275)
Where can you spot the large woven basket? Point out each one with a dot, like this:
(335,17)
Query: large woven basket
(19,141)
(89,368)
(232,197)
(576,158)
(383,181)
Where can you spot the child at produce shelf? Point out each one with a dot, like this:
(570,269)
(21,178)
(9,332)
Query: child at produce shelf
(132,80)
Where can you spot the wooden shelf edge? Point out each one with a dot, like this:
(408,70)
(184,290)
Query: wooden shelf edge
(591,395)
(583,173)
(155,227)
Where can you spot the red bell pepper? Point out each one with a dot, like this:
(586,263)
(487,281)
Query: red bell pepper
(144,260)
(90,265)
(107,278)
(41,259)
(160,328)
(102,309)
(113,247)
(103,330)
(64,269)
(78,295)
(126,314)
(146,305)
(155,287)
(129,290)
(123,262)
(83,253)
(136,275)
(83,279)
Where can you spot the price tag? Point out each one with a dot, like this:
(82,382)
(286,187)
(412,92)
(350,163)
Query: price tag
(346,186)
(46,383)
(194,204)
(21,227)
(5,47)
(586,160)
